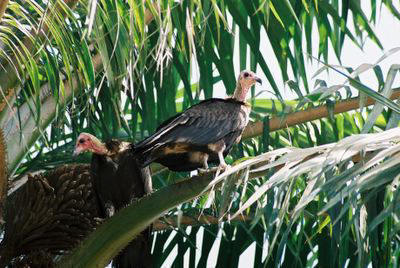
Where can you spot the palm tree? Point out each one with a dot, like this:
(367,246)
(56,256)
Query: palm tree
(304,186)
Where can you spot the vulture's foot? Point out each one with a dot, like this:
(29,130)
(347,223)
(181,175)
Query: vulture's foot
(202,171)
(217,170)
(98,220)
(222,165)
(222,168)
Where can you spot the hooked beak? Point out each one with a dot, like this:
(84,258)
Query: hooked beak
(258,80)
(76,152)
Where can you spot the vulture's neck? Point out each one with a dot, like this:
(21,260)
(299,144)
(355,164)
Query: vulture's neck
(100,148)
(240,93)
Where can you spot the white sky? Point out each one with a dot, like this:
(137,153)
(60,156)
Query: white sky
(387,29)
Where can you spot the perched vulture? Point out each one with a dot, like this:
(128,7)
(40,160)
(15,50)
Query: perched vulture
(202,134)
(117,181)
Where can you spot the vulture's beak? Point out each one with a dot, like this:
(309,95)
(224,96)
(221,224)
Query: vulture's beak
(258,80)
(76,152)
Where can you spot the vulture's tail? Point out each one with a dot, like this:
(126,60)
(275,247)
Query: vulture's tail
(145,156)
(146,150)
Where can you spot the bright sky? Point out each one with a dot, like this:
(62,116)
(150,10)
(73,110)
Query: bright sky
(388,31)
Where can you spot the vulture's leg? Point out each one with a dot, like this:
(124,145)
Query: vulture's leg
(222,165)
(205,164)
(146,178)
(219,148)
(109,209)
(205,161)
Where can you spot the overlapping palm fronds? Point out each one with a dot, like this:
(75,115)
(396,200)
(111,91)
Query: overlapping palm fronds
(118,52)
(118,68)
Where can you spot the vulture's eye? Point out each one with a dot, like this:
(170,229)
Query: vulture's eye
(246,75)
(81,141)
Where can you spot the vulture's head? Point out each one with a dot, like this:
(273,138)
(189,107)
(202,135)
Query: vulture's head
(245,81)
(88,143)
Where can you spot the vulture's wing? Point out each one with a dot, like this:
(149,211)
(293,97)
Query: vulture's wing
(201,124)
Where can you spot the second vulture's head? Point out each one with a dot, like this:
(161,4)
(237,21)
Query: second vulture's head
(88,143)
(245,81)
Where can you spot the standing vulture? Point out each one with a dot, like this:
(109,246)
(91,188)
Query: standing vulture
(201,134)
(117,181)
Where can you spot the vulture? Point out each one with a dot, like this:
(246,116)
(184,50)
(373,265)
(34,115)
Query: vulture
(117,181)
(202,134)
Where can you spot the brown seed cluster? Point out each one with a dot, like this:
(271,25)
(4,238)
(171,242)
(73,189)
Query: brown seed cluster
(49,215)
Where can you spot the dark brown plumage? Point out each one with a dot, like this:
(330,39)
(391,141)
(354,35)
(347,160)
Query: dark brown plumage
(203,133)
(117,181)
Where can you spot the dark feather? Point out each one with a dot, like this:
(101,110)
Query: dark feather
(209,122)
(118,180)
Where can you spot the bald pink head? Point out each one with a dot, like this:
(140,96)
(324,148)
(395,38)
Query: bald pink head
(245,81)
(88,143)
